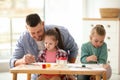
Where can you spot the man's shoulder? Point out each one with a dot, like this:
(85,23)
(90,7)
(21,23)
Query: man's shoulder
(53,26)
(25,34)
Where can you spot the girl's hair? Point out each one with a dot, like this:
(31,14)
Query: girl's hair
(56,33)
(99,29)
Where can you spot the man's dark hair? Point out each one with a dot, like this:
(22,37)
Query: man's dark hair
(33,19)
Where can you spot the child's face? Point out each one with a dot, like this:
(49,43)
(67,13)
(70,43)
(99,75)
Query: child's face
(50,43)
(97,40)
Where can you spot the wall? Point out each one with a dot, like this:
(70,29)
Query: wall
(65,13)
(92,7)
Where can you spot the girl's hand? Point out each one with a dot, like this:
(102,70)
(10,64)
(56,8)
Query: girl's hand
(91,58)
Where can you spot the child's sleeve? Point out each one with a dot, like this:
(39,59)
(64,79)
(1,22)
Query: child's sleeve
(84,54)
(63,53)
(41,56)
(103,55)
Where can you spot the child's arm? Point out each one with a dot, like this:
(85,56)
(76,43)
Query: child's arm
(41,56)
(87,55)
(103,55)
(84,54)
(91,58)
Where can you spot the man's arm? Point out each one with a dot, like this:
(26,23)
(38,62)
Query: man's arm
(70,45)
(16,58)
(21,49)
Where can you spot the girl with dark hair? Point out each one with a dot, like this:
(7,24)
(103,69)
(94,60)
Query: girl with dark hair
(53,49)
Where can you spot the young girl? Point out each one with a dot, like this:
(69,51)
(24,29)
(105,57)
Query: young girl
(54,49)
(95,51)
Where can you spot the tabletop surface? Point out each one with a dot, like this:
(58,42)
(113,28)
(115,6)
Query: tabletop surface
(56,67)
(53,68)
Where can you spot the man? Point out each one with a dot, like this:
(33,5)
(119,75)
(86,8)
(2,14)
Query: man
(31,42)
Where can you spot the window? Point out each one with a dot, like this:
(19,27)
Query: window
(67,13)
(12,21)
(5,38)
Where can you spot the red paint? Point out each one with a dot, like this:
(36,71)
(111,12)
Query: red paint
(43,66)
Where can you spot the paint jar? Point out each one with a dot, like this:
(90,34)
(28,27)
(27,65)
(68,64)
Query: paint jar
(48,65)
(62,61)
(43,66)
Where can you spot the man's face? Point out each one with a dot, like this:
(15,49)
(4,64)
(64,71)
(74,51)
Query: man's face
(36,32)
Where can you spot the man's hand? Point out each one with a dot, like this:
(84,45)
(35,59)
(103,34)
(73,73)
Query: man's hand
(72,60)
(27,59)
